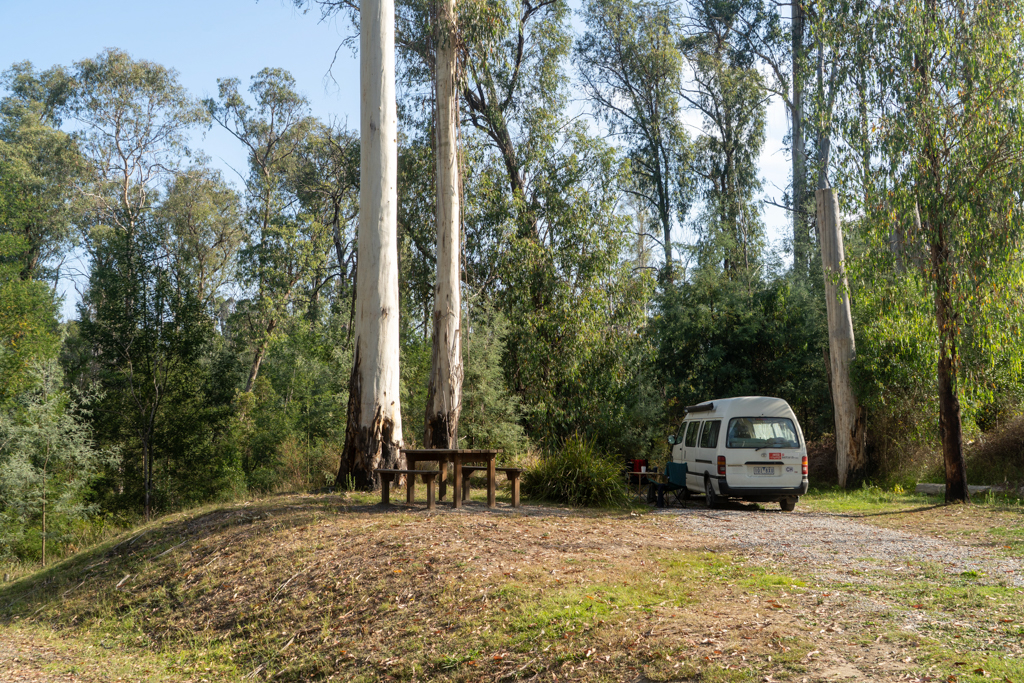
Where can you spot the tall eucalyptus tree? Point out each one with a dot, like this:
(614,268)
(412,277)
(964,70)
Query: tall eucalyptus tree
(948,144)
(281,247)
(373,435)
(631,69)
(444,392)
(326,179)
(135,118)
(729,92)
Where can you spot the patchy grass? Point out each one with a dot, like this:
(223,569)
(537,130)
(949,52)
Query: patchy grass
(300,588)
(990,521)
(865,500)
(315,588)
(962,627)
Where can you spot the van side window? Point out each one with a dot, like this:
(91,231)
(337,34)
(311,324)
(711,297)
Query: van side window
(691,434)
(709,436)
(680,432)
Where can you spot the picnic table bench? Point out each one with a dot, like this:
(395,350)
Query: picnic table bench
(389,475)
(513,474)
(459,457)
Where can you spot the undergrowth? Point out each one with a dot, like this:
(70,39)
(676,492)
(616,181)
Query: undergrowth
(578,474)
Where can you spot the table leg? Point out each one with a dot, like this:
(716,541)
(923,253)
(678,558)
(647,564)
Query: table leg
(491,475)
(457,489)
(514,478)
(410,483)
(442,483)
(430,491)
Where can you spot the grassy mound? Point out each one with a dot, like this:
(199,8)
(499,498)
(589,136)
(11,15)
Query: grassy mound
(321,588)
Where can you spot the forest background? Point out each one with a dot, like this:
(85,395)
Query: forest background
(211,348)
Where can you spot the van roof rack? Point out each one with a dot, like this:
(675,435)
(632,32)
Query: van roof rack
(701,408)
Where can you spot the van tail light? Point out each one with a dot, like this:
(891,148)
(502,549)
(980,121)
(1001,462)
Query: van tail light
(721,465)
(803,466)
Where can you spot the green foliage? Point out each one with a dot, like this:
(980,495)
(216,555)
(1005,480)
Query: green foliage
(48,463)
(729,93)
(28,325)
(718,339)
(940,277)
(39,169)
(574,353)
(39,166)
(490,413)
(285,246)
(202,226)
(577,473)
(631,68)
(894,374)
(415,367)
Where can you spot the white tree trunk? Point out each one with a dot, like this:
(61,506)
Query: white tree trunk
(444,395)
(373,435)
(850,426)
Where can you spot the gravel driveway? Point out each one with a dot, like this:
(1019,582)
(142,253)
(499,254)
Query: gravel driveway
(839,547)
(848,626)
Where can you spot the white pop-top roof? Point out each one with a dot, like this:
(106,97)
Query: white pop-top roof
(744,406)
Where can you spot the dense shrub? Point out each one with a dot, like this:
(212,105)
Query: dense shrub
(579,475)
(998,456)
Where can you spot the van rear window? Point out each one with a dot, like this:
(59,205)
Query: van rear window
(762,432)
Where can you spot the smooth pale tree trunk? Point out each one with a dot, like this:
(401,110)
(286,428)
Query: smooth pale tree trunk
(444,393)
(850,423)
(373,435)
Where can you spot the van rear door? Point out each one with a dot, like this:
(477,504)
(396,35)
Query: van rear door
(770,450)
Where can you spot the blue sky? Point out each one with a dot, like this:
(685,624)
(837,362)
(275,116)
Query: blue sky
(203,40)
(210,39)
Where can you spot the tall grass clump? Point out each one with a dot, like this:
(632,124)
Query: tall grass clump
(579,475)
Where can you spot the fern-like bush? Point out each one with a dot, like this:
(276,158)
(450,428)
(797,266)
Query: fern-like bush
(578,475)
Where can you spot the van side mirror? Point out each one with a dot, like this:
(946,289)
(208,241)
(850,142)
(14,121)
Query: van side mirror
(671,439)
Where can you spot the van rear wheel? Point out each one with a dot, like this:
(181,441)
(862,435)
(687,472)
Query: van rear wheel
(788,504)
(710,497)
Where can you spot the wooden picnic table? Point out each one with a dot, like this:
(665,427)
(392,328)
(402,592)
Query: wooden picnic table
(458,457)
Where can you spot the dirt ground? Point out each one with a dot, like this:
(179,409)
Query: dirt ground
(322,588)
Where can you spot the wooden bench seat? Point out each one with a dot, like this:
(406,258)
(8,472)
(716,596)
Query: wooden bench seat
(388,476)
(513,474)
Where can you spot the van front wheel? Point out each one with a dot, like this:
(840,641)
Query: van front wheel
(788,504)
(710,497)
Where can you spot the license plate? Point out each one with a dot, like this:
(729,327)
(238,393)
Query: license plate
(762,471)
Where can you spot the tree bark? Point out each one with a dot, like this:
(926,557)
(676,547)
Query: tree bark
(950,424)
(850,441)
(825,134)
(257,358)
(444,392)
(373,435)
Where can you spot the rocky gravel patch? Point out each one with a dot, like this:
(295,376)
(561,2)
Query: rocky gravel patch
(841,548)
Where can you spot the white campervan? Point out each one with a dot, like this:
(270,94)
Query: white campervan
(749,448)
